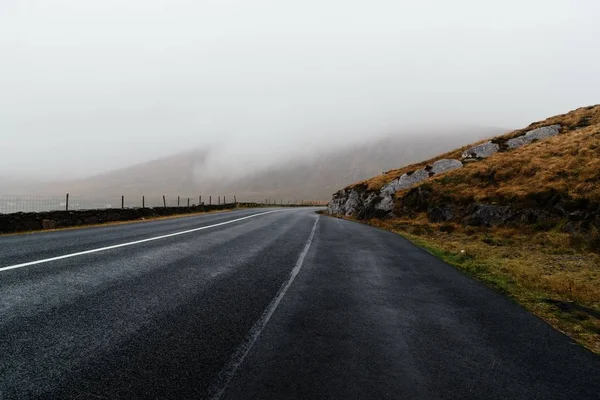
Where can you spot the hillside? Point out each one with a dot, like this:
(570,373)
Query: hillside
(520,211)
(299,178)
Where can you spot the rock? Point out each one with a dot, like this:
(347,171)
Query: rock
(535,134)
(93,220)
(482,151)
(440,214)
(336,205)
(30,225)
(417,199)
(516,142)
(48,224)
(352,203)
(445,165)
(405,181)
(579,215)
(543,132)
(571,227)
(487,215)
(534,215)
(386,203)
(372,206)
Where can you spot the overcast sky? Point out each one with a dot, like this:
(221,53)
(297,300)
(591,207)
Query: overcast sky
(89,86)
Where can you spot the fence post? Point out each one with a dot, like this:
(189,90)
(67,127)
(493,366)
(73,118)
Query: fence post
(122,201)
(143,202)
(177,201)
(209,200)
(67,202)
(164,201)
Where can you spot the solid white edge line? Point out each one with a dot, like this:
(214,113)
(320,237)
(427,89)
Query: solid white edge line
(116,246)
(221,383)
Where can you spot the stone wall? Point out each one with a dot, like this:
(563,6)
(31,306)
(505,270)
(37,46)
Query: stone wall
(22,222)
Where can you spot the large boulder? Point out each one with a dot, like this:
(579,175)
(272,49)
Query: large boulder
(483,150)
(535,134)
(405,181)
(445,165)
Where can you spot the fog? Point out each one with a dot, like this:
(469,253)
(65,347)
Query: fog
(92,86)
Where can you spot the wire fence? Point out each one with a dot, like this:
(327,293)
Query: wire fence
(39,203)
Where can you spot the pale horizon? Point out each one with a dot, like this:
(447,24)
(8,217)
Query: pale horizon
(92,87)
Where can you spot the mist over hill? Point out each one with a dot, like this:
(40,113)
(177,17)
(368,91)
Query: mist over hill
(313,177)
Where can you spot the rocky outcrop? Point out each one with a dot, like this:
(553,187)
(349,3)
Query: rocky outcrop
(444,165)
(360,203)
(405,181)
(486,149)
(545,214)
(535,134)
(546,211)
(481,151)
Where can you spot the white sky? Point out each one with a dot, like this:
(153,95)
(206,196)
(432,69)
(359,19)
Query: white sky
(88,86)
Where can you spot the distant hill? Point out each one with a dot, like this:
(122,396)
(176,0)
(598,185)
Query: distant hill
(312,178)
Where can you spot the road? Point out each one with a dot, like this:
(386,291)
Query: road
(265,304)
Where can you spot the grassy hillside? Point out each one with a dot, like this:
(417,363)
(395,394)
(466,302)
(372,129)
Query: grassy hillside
(526,221)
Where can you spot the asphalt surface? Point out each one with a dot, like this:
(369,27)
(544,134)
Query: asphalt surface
(274,306)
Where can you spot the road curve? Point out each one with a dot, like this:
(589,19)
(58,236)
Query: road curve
(266,304)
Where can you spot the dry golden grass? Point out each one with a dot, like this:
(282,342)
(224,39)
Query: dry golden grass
(569,163)
(541,270)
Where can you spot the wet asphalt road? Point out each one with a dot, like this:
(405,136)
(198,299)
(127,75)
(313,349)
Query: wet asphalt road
(274,306)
